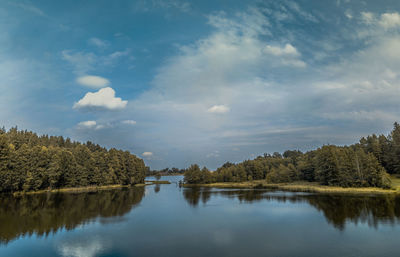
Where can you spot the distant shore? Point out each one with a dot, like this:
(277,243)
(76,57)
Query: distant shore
(166,175)
(89,188)
(301,186)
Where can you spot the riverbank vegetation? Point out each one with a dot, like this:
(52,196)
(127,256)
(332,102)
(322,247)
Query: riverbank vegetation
(165,172)
(365,164)
(29,162)
(299,186)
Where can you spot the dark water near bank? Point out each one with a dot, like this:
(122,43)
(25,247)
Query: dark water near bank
(165,220)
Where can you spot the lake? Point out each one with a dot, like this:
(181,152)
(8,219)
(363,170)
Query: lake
(166,220)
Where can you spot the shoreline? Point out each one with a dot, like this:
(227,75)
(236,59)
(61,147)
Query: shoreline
(308,187)
(88,188)
(167,175)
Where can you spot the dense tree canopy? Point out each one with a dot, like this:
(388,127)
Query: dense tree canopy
(166,172)
(366,163)
(29,162)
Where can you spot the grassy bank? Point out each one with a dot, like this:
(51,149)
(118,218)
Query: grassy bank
(86,189)
(73,189)
(302,186)
(153,182)
(166,175)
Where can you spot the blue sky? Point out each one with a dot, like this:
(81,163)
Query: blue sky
(180,82)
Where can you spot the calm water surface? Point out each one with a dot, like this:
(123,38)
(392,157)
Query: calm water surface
(166,220)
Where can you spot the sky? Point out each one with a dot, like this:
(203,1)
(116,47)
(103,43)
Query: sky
(179,82)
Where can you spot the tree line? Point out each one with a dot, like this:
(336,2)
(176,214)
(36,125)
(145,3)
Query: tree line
(29,162)
(366,163)
(166,172)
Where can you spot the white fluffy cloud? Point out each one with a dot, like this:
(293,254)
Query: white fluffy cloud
(218,109)
(102,99)
(147,155)
(385,20)
(390,20)
(90,124)
(93,81)
(87,124)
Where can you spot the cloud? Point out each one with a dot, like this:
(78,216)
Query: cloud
(269,72)
(288,55)
(98,42)
(146,6)
(119,54)
(390,20)
(214,154)
(30,8)
(90,124)
(128,122)
(82,62)
(93,81)
(348,14)
(277,106)
(103,99)
(386,20)
(87,124)
(147,155)
(288,49)
(367,17)
(218,109)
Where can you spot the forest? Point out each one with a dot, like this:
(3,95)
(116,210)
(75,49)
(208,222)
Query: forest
(364,164)
(29,162)
(166,172)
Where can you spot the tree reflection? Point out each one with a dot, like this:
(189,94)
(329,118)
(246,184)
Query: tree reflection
(337,209)
(43,214)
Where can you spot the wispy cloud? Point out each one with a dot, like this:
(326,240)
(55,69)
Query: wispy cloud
(29,7)
(218,109)
(98,42)
(128,122)
(149,5)
(83,62)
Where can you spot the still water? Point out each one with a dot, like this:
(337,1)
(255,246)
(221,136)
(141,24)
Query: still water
(165,220)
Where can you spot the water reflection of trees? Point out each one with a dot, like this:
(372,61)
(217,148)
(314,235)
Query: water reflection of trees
(337,209)
(43,214)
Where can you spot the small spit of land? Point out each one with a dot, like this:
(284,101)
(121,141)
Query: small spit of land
(91,188)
